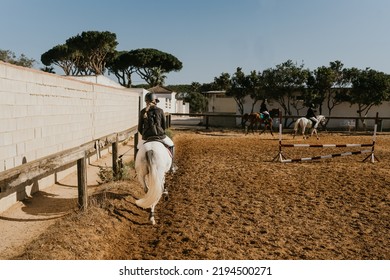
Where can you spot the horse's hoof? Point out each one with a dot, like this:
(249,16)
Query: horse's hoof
(152,220)
(166,196)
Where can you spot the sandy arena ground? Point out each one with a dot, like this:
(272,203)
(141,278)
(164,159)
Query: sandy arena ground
(229,200)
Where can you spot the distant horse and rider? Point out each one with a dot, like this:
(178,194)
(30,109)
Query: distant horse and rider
(303,123)
(310,121)
(257,119)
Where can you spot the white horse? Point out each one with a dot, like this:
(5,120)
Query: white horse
(303,123)
(152,162)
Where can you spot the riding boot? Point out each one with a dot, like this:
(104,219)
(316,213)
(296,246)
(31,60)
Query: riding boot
(173,168)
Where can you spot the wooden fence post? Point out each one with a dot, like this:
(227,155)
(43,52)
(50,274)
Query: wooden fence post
(82,183)
(135,145)
(167,121)
(115,159)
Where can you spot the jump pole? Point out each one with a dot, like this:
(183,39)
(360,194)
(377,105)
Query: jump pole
(326,156)
(281,158)
(372,155)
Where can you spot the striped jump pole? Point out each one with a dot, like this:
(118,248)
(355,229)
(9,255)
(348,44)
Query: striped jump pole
(280,157)
(326,145)
(326,156)
(372,155)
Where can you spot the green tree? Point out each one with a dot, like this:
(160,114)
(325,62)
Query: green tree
(238,89)
(48,69)
(283,83)
(240,85)
(222,82)
(122,66)
(182,88)
(340,85)
(84,54)
(326,85)
(10,57)
(254,84)
(197,101)
(319,85)
(62,57)
(95,48)
(369,88)
(193,94)
(152,65)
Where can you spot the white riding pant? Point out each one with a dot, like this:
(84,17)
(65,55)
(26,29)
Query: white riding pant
(315,121)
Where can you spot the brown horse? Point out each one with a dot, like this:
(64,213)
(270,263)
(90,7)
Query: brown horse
(255,120)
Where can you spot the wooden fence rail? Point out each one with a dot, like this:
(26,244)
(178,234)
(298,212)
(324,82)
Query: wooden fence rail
(27,173)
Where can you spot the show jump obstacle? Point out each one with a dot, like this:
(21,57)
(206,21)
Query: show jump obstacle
(281,158)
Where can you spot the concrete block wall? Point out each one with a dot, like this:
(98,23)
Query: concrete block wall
(42,114)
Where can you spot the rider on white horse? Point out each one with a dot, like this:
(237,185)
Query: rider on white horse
(311,115)
(152,125)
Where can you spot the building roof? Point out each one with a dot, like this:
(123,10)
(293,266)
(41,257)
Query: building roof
(159,89)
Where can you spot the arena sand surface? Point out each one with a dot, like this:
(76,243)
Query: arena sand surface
(230,200)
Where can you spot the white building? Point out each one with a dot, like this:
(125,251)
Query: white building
(168,101)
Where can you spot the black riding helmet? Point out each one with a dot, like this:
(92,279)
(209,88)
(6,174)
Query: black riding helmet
(150,97)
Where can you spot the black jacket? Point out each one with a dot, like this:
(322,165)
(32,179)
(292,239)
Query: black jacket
(310,113)
(263,108)
(152,126)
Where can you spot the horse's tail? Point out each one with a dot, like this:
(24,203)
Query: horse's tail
(155,182)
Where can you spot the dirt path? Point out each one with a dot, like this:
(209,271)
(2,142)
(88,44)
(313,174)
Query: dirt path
(22,223)
(229,200)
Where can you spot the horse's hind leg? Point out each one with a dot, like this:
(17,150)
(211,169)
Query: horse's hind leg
(264,130)
(270,129)
(261,131)
(315,131)
(295,133)
(141,179)
(165,193)
(303,132)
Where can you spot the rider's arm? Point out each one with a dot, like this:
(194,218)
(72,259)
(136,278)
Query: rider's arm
(141,121)
(163,120)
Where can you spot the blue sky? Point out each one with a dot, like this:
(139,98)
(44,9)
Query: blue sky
(211,36)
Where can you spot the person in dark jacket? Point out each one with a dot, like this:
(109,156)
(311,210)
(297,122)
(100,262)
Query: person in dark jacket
(312,116)
(264,109)
(152,125)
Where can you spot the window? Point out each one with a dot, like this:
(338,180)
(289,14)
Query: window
(168,103)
